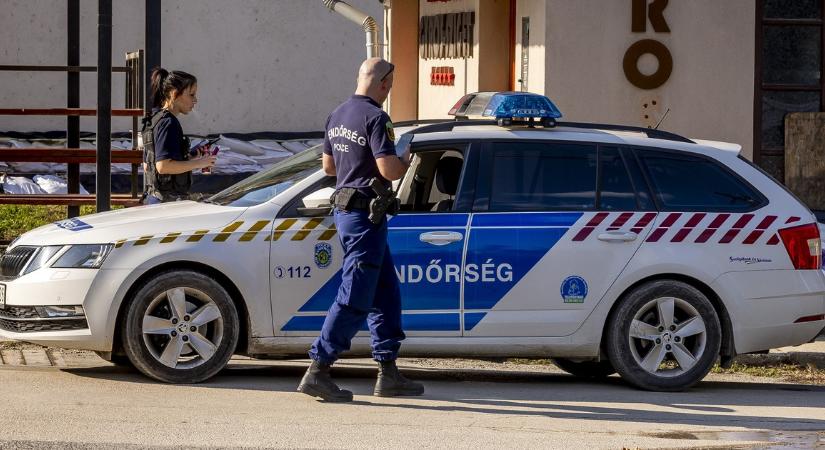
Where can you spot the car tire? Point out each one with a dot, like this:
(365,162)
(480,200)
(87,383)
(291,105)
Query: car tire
(181,326)
(585,369)
(664,336)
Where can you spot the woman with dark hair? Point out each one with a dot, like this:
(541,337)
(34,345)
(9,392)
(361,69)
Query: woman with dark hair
(167,163)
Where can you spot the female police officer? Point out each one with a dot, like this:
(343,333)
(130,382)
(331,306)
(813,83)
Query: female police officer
(168,168)
(358,149)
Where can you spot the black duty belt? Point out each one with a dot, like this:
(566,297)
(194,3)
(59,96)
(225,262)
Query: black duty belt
(349,199)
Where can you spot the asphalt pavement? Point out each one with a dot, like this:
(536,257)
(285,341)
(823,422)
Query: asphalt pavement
(69,399)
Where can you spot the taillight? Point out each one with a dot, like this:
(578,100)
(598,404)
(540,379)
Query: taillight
(803,246)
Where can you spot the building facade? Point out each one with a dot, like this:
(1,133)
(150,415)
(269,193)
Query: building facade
(729,70)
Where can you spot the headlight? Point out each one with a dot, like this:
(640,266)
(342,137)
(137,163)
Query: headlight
(41,257)
(87,256)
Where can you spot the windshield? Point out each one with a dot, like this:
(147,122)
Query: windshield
(263,186)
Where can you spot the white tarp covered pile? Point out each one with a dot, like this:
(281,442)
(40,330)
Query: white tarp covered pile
(235,156)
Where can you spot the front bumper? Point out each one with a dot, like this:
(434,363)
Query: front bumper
(94,289)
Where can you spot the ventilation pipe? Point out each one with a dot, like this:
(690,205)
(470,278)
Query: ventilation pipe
(366,22)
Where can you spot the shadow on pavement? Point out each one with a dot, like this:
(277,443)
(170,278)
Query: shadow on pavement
(532,394)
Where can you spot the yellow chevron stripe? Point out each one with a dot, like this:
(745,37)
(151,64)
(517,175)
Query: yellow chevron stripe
(226,232)
(328,234)
(279,230)
(301,235)
(253,230)
(197,236)
(169,238)
(120,243)
(143,240)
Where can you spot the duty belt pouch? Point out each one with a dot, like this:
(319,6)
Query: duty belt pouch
(344,198)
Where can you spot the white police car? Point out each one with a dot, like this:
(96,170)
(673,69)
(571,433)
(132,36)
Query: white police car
(610,249)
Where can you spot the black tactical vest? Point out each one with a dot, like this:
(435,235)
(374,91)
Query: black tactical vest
(166,188)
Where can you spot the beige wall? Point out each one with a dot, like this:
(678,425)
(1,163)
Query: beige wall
(536,10)
(261,64)
(494,52)
(710,93)
(403,52)
(435,101)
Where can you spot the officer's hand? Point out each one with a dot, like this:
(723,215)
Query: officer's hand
(207,161)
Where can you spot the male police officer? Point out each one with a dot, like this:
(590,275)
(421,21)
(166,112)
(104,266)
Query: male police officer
(359,149)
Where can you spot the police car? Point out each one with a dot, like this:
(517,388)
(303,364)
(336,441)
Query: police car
(608,248)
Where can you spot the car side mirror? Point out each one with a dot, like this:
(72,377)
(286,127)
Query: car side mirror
(316,203)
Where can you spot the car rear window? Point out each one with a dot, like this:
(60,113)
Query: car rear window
(686,182)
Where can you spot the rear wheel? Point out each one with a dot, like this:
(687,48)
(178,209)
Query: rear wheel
(585,369)
(181,327)
(665,336)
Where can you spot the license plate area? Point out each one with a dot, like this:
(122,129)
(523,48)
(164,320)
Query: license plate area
(2,296)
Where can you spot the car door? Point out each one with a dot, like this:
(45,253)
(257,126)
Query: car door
(553,225)
(427,248)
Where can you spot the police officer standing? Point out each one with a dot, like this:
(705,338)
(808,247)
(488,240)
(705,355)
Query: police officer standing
(359,149)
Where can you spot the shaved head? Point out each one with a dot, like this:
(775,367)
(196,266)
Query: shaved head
(375,78)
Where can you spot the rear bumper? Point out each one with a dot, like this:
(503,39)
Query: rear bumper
(764,307)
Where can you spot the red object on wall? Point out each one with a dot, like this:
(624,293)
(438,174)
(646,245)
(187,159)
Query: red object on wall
(442,76)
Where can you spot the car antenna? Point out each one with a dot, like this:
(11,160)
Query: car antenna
(661,120)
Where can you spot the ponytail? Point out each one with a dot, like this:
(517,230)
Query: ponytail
(164,83)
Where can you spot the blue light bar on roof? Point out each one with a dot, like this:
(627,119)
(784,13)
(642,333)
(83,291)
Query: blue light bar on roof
(521,105)
(508,108)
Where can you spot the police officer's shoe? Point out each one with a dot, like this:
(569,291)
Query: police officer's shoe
(318,383)
(391,383)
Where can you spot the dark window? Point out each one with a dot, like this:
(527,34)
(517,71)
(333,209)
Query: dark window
(792,9)
(788,75)
(616,192)
(540,177)
(689,183)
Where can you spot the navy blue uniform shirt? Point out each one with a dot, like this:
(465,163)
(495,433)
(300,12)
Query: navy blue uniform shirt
(358,132)
(169,140)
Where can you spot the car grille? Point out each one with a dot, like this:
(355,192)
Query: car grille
(13,262)
(24,319)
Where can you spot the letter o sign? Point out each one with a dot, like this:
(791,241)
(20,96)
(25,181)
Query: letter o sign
(631,64)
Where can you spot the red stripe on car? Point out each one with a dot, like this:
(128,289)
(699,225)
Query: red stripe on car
(666,224)
(759,231)
(643,222)
(594,222)
(689,226)
(620,221)
(714,225)
(737,227)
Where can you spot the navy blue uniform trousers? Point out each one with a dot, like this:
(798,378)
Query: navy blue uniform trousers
(369,291)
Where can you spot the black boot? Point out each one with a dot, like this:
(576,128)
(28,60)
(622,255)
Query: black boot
(391,383)
(318,383)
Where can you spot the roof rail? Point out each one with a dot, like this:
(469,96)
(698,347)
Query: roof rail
(446,125)
(650,132)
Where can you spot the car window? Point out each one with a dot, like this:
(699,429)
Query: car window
(432,183)
(685,182)
(616,192)
(263,186)
(531,176)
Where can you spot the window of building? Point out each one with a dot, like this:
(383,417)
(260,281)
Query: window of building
(542,177)
(690,183)
(788,73)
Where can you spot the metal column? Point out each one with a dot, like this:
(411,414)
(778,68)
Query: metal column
(104,105)
(73,100)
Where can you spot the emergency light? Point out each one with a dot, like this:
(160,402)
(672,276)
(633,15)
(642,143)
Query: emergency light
(508,108)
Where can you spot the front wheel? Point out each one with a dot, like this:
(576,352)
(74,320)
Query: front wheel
(664,336)
(180,327)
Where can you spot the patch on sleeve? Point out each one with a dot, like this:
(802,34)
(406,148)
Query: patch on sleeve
(73,224)
(390,131)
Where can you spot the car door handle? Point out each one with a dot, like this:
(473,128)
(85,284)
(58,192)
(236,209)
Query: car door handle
(440,237)
(618,236)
